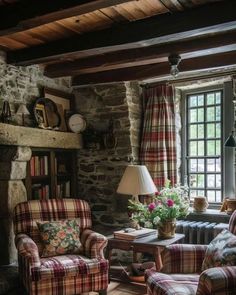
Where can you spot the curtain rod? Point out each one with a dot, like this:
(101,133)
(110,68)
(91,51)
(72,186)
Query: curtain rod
(176,81)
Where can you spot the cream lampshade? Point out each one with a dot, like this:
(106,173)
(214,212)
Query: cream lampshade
(136,181)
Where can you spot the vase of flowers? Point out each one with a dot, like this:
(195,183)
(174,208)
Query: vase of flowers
(168,204)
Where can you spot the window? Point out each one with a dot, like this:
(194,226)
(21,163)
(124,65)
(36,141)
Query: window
(204,144)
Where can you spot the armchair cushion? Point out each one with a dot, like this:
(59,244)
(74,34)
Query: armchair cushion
(171,284)
(221,251)
(68,265)
(60,237)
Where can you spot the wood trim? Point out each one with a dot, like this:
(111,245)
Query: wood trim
(203,20)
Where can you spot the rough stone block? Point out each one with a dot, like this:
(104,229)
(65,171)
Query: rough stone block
(12,193)
(12,170)
(15,153)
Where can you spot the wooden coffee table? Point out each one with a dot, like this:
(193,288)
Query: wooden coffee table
(150,244)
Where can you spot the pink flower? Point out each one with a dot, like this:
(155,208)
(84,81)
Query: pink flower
(151,207)
(157,193)
(170,203)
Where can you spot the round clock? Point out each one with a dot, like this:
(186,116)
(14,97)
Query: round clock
(76,123)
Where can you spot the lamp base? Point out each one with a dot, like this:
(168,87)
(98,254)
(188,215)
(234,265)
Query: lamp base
(135,199)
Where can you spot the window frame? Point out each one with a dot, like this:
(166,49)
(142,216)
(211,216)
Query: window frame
(227,154)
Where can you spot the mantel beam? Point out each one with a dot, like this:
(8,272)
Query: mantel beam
(25,15)
(156,70)
(139,56)
(203,20)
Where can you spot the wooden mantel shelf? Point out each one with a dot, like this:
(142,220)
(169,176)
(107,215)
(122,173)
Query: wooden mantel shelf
(36,137)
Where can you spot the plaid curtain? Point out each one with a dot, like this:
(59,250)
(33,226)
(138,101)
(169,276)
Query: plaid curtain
(158,144)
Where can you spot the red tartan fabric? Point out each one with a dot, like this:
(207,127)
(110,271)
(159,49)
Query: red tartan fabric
(59,275)
(163,284)
(183,258)
(158,144)
(218,280)
(179,261)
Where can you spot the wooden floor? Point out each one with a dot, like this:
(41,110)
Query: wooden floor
(118,288)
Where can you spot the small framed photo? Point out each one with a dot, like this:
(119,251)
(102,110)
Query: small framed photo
(40,115)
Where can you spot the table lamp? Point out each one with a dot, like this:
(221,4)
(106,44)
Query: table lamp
(136,181)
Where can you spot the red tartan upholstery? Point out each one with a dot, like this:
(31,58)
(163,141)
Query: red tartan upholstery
(181,272)
(64,274)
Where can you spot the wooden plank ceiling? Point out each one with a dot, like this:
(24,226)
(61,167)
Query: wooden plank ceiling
(114,40)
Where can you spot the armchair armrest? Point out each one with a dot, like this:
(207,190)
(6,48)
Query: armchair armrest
(216,280)
(27,249)
(183,258)
(93,243)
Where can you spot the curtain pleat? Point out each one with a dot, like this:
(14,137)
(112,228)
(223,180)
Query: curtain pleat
(158,144)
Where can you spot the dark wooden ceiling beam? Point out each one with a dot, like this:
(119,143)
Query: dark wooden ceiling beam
(139,56)
(207,19)
(28,14)
(155,70)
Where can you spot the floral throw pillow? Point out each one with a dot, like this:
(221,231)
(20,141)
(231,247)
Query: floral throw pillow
(221,251)
(59,237)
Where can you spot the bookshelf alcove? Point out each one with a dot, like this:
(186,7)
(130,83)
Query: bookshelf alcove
(51,171)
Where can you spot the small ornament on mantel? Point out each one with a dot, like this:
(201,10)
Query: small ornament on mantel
(6,112)
(23,111)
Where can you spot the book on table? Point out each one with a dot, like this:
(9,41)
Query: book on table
(132,234)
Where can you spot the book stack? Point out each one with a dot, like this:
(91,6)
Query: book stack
(39,166)
(63,190)
(132,234)
(40,192)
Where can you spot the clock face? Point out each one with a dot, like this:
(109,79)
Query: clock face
(76,123)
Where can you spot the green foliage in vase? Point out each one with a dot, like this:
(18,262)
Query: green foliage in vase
(168,203)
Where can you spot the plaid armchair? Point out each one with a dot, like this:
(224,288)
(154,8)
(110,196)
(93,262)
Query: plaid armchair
(64,274)
(181,273)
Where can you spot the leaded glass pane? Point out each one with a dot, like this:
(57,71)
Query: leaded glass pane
(192,101)
(193,148)
(210,165)
(200,148)
(200,113)
(218,196)
(200,130)
(218,180)
(193,115)
(218,97)
(210,98)
(193,131)
(211,180)
(193,165)
(211,147)
(211,196)
(200,100)
(200,165)
(211,114)
(218,113)
(200,180)
(210,130)
(218,130)
(218,165)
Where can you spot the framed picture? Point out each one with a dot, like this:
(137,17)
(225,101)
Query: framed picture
(40,115)
(63,102)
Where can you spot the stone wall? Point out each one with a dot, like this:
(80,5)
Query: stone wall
(100,169)
(23,85)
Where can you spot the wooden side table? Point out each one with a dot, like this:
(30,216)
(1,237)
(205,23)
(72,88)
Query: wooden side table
(150,244)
